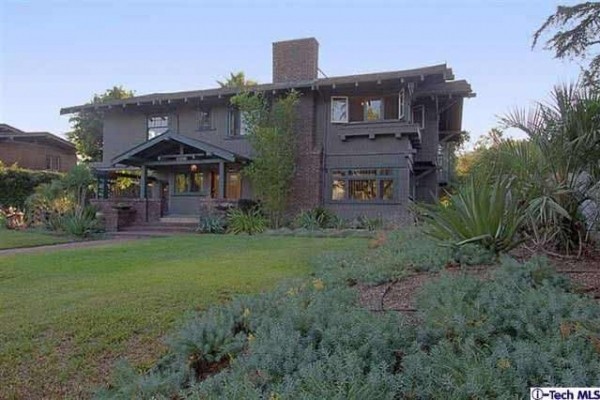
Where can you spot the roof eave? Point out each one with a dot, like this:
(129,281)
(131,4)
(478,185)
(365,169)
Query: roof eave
(168,98)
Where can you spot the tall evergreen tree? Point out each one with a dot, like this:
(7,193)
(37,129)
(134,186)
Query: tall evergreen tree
(576,36)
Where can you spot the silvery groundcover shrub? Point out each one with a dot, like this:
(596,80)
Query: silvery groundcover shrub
(312,339)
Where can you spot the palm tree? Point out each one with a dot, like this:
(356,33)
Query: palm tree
(237,80)
(557,168)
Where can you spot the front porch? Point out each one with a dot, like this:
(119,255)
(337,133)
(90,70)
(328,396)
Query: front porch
(176,176)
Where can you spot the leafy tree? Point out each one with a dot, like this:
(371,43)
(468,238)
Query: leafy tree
(466,161)
(88,125)
(577,37)
(237,80)
(270,126)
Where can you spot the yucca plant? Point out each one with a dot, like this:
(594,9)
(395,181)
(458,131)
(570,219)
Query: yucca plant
(487,215)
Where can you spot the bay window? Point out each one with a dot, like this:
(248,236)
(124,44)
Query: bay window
(363,184)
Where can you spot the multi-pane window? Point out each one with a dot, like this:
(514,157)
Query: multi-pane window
(189,182)
(419,116)
(339,109)
(157,125)
(362,184)
(53,163)
(233,189)
(204,120)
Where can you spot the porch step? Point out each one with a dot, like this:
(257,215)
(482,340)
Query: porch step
(180,219)
(167,225)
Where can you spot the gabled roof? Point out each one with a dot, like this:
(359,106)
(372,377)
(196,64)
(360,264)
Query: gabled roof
(131,156)
(166,98)
(12,133)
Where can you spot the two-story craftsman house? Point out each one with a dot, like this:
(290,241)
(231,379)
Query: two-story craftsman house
(368,144)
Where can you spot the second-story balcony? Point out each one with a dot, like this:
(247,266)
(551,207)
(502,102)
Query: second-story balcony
(374,129)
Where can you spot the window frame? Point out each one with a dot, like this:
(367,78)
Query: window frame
(339,98)
(236,115)
(189,184)
(381,108)
(348,175)
(149,117)
(228,174)
(209,124)
(402,104)
(52,162)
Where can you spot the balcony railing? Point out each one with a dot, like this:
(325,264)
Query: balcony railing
(374,129)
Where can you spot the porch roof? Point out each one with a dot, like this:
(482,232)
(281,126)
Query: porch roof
(171,149)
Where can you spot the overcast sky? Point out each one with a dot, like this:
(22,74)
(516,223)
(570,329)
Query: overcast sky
(59,53)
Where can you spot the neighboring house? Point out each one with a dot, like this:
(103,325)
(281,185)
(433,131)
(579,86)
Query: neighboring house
(35,150)
(368,144)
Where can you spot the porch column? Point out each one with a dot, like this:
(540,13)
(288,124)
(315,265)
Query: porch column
(222,180)
(143,181)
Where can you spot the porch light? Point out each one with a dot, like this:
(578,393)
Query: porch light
(193,168)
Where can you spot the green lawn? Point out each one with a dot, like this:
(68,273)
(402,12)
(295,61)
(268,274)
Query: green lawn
(10,239)
(67,316)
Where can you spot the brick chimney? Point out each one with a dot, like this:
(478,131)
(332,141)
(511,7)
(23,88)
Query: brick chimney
(295,60)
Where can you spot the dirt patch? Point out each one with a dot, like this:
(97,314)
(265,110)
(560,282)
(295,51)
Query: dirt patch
(584,273)
(400,295)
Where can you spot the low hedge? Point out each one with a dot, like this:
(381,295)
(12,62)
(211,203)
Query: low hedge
(16,184)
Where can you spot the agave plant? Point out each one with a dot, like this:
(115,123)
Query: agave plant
(484,214)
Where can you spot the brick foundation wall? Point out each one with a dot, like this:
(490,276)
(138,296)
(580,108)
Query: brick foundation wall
(117,218)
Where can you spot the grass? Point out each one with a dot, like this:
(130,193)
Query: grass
(11,239)
(68,315)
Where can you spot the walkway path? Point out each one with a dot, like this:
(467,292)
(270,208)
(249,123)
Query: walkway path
(72,245)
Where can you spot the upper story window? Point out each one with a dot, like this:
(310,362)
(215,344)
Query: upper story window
(53,163)
(157,125)
(339,109)
(372,109)
(204,120)
(367,108)
(237,125)
(419,116)
(401,104)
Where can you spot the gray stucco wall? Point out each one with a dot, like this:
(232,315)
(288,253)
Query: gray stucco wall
(122,130)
